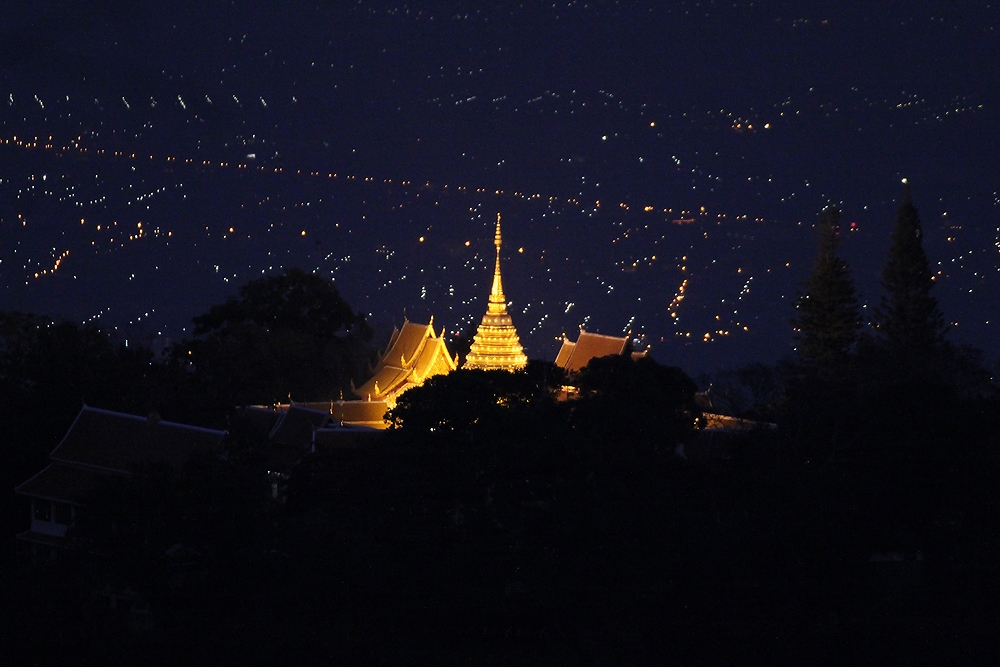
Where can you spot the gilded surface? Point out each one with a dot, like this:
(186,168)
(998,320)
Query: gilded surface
(496,344)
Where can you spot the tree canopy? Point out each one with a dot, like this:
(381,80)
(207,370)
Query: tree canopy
(281,336)
(293,300)
(48,370)
(636,401)
(467,403)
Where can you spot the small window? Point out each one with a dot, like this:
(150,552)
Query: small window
(42,510)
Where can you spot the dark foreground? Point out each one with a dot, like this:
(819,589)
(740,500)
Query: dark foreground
(544,552)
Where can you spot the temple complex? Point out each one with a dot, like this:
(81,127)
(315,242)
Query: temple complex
(496,344)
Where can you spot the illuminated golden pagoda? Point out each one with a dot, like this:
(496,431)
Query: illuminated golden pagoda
(496,345)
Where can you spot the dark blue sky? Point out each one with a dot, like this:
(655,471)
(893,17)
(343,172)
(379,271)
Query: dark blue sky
(591,127)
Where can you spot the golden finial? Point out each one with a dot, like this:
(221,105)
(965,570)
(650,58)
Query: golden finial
(496,294)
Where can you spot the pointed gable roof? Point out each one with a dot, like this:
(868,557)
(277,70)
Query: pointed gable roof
(256,421)
(63,483)
(102,444)
(565,352)
(414,353)
(114,441)
(297,425)
(574,356)
(433,360)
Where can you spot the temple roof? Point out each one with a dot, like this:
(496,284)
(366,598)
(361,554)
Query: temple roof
(407,342)
(63,482)
(119,442)
(565,352)
(414,353)
(575,355)
(433,354)
(717,422)
(297,425)
(363,413)
(101,444)
(347,435)
(256,421)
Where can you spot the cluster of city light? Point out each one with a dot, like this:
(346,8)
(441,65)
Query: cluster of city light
(78,145)
(675,303)
(55,266)
(435,190)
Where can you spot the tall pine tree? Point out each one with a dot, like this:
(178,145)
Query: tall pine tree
(908,321)
(828,319)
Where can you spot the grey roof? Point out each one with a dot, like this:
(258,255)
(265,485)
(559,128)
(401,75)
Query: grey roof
(297,424)
(64,483)
(119,442)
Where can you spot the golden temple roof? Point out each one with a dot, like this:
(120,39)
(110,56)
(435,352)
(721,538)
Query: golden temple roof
(496,344)
(414,353)
(575,355)
(361,413)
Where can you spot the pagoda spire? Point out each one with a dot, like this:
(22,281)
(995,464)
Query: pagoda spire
(496,344)
(496,294)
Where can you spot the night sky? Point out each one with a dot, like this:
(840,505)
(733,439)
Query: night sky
(658,165)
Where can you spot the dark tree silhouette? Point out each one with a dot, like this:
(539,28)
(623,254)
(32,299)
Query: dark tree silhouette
(290,334)
(48,369)
(637,402)
(827,319)
(293,300)
(752,391)
(908,321)
(465,402)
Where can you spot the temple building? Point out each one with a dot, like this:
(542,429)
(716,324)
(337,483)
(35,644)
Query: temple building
(575,355)
(414,353)
(496,344)
(101,445)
